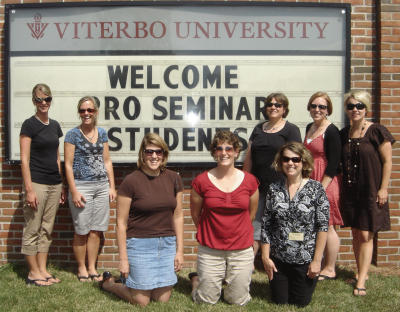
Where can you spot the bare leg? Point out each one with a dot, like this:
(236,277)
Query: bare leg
(79,245)
(161,294)
(93,244)
(42,263)
(256,247)
(331,252)
(356,250)
(34,271)
(134,296)
(366,247)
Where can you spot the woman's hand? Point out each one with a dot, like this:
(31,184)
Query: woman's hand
(32,200)
(382,197)
(269,267)
(178,263)
(63,194)
(113,194)
(78,199)
(314,269)
(123,267)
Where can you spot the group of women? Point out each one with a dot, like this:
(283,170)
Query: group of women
(287,200)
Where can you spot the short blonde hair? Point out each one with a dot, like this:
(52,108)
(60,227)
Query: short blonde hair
(359,95)
(228,137)
(280,98)
(153,138)
(42,88)
(95,104)
(299,149)
(325,97)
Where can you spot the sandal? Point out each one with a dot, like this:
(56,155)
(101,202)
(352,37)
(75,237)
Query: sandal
(54,278)
(84,278)
(29,281)
(106,276)
(93,276)
(358,291)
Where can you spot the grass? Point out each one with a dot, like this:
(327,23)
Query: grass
(71,295)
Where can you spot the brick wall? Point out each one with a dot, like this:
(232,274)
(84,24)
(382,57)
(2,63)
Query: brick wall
(375,67)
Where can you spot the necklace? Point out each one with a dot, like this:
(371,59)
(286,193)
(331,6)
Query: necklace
(349,154)
(45,123)
(266,128)
(287,181)
(86,136)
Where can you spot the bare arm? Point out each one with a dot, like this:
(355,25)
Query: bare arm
(269,265)
(110,171)
(196,207)
(69,153)
(178,222)
(247,163)
(123,207)
(25,147)
(315,266)
(253,205)
(385,151)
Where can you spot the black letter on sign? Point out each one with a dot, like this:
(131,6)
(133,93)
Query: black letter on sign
(197,108)
(195,76)
(150,84)
(225,107)
(114,139)
(211,78)
(204,139)
(117,75)
(166,77)
(162,109)
(132,141)
(243,141)
(111,109)
(126,108)
(229,76)
(243,109)
(173,108)
(212,107)
(148,130)
(175,138)
(260,107)
(187,139)
(135,76)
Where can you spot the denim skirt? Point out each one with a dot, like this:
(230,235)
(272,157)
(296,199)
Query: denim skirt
(151,262)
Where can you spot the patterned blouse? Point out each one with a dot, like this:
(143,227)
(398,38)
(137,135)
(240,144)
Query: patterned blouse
(88,162)
(307,213)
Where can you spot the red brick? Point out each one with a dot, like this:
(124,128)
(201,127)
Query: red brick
(388,251)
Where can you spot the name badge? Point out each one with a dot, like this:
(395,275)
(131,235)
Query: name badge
(296,236)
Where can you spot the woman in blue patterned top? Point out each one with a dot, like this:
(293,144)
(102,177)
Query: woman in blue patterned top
(91,182)
(294,228)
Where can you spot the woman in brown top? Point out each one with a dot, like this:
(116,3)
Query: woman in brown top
(149,228)
(366,164)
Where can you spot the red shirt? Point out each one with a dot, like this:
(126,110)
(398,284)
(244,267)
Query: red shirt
(225,218)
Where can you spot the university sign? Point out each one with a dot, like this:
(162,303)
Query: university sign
(183,70)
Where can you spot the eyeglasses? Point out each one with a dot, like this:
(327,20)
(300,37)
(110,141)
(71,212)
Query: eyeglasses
(359,106)
(40,100)
(293,159)
(226,148)
(150,152)
(89,110)
(321,107)
(277,105)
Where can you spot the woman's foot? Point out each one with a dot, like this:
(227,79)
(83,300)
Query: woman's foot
(194,280)
(83,275)
(107,281)
(38,280)
(95,276)
(359,292)
(327,275)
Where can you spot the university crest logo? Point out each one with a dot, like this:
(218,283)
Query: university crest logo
(37,28)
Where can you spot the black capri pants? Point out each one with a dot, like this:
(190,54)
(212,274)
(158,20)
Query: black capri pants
(291,284)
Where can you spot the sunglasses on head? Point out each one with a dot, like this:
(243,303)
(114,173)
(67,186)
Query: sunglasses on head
(359,106)
(89,110)
(40,100)
(277,105)
(293,159)
(226,148)
(321,107)
(150,152)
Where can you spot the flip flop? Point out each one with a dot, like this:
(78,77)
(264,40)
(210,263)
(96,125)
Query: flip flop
(29,281)
(54,278)
(358,291)
(106,276)
(326,278)
(92,276)
(83,277)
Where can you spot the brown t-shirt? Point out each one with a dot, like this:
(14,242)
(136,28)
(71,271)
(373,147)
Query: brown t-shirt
(153,203)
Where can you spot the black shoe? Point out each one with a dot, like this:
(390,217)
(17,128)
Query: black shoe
(106,276)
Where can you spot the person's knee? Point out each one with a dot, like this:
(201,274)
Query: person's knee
(95,233)
(140,300)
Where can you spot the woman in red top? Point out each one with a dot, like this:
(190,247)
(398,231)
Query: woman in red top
(223,205)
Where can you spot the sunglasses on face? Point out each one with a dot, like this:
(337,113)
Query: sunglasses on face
(40,100)
(277,105)
(89,110)
(150,152)
(293,159)
(321,107)
(359,106)
(227,148)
